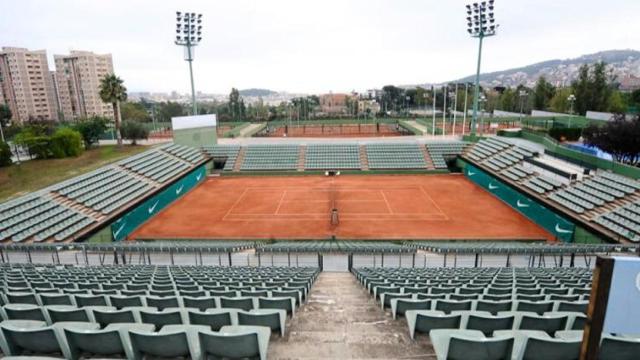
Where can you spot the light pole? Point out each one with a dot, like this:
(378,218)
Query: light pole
(433,125)
(480,24)
(445,94)
(464,117)
(455,109)
(571,99)
(523,94)
(482,101)
(189,34)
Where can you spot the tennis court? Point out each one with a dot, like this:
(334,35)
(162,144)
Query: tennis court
(369,207)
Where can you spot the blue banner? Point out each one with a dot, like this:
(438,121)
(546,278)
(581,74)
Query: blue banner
(124,226)
(556,224)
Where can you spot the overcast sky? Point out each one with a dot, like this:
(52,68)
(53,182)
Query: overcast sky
(315,46)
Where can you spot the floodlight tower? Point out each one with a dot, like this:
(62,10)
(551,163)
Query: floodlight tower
(480,24)
(189,35)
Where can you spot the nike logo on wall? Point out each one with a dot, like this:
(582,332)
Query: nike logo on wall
(521,205)
(179,190)
(470,173)
(198,177)
(492,187)
(560,230)
(117,232)
(151,208)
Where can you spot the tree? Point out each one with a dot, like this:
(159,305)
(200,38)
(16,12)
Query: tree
(616,103)
(113,91)
(594,88)
(134,131)
(5,154)
(5,116)
(65,142)
(91,129)
(542,93)
(134,111)
(168,110)
(619,137)
(559,102)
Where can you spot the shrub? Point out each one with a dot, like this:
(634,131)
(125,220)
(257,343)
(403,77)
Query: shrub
(133,130)
(91,129)
(5,154)
(66,142)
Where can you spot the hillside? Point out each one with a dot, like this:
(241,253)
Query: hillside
(625,63)
(257,92)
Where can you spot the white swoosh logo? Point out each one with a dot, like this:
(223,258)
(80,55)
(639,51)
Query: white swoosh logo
(179,190)
(561,230)
(492,187)
(470,173)
(521,205)
(153,207)
(198,177)
(115,234)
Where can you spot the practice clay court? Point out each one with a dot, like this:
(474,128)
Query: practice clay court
(444,206)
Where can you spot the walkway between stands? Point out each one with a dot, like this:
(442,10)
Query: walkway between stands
(341,321)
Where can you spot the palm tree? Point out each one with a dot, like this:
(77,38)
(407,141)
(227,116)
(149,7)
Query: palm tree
(113,91)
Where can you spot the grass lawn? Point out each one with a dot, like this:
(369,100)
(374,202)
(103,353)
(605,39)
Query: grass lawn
(17,180)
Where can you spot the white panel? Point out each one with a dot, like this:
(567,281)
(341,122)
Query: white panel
(190,122)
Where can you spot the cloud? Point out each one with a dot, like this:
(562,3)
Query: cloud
(320,46)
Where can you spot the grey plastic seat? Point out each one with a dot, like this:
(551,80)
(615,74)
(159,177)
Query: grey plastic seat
(287,304)
(40,341)
(90,300)
(537,348)
(55,299)
(60,313)
(106,317)
(493,307)
(162,302)
(489,324)
(235,342)
(155,344)
(426,320)
(22,298)
(214,319)
(275,319)
(201,303)
(106,342)
(539,307)
(24,312)
(548,323)
(573,306)
(447,306)
(120,302)
(161,318)
(245,304)
(617,348)
(470,345)
(401,306)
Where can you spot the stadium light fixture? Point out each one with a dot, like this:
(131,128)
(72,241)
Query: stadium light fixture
(189,35)
(480,24)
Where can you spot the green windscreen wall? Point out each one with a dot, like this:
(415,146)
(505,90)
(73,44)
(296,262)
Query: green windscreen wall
(557,225)
(125,225)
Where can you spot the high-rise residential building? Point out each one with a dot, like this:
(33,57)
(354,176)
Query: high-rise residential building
(26,84)
(78,78)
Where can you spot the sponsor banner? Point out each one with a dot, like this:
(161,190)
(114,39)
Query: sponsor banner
(558,225)
(124,226)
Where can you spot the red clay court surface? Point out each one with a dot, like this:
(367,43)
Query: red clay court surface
(370,207)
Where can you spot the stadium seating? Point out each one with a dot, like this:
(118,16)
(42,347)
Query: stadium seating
(375,247)
(271,157)
(332,156)
(228,153)
(437,152)
(395,156)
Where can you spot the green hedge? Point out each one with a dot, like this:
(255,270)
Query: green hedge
(5,154)
(235,132)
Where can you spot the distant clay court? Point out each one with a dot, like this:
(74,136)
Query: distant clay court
(367,207)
